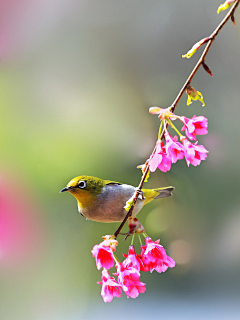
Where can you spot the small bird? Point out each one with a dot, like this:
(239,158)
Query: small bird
(104,200)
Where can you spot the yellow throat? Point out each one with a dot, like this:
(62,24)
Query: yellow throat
(84,198)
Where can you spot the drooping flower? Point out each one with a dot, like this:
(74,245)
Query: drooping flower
(154,255)
(226,5)
(104,255)
(128,278)
(159,159)
(194,126)
(174,149)
(134,260)
(110,288)
(195,48)
(194,153)
(193,94)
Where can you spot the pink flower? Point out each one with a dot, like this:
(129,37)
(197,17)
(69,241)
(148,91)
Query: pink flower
(128,278)
(174,149)
(134,260)
(154,255)
(196,125)
(110,288)
(163,113)
(103,255)
(194,153)
(159,159)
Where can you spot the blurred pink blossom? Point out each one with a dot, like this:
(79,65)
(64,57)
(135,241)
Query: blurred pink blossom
(110,288)
(128,278)
(174,149)
(159,159)
(134,260)
(194,153)
(194,126)
(154,255)
(103,255)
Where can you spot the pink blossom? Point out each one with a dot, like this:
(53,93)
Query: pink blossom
(128,278)
(159,159)
(103,255)
(174,149)
(110,288)
(154,255)
(163,113)
(194,153)
(196,125)
(134,260)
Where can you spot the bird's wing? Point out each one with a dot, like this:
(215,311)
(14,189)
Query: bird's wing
(112,183)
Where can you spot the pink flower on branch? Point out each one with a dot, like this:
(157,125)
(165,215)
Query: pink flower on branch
(128,278)
(174,149)
(110,288)
(194,153)
(196,125)
(104,255)
(159,159)
(134,260)
(154,255)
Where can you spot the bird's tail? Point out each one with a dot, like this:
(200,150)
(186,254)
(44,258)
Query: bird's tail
(164,192)
(150,194)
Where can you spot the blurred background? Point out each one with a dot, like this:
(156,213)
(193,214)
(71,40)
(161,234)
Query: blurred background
(77,78)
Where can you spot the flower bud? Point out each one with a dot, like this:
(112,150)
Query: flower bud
(206,68)
(195,48)
(193,94)
(226,5)
(163,113)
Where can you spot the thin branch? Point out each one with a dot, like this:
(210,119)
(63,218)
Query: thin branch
(174,105)
(205,52)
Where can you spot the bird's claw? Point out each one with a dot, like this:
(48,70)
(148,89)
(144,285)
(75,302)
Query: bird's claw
(140,194)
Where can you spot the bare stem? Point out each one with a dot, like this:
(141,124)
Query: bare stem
(205,52)
(174,105)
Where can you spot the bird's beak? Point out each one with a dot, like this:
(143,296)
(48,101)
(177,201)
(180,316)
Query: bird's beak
(64,189)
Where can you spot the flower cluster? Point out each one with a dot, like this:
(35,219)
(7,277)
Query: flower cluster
(153,257)
(166,154)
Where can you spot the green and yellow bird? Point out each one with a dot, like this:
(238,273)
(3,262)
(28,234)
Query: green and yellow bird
(104,200)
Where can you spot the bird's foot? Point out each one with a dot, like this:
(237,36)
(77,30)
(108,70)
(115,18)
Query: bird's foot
(140,195)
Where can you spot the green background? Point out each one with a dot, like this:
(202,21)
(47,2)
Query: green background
(77,78)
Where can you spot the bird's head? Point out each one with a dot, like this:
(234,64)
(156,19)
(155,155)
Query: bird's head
(85,189)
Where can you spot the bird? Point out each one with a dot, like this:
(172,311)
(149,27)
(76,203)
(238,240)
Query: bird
(104,200)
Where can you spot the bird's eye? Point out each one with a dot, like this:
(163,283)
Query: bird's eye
(82,184)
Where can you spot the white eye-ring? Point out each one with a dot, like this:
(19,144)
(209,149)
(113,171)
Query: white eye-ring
(82,184)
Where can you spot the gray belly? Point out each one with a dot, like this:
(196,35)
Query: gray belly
(109,206)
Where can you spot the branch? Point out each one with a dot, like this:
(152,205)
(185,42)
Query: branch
(205,52)
(200,62)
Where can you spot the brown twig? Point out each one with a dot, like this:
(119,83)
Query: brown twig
(174,105)
(205,52)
